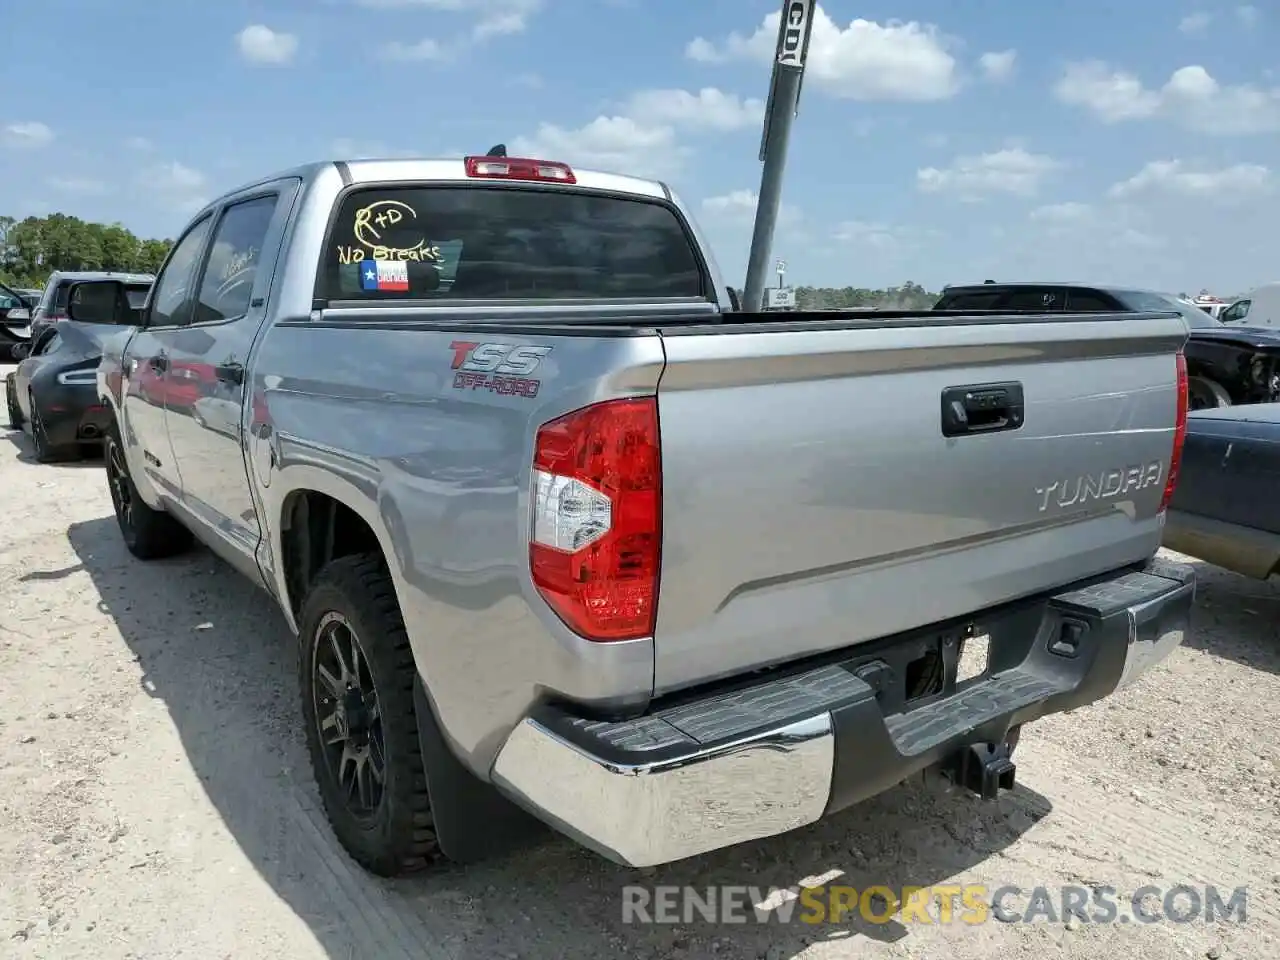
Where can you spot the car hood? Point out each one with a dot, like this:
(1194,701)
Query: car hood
(1246,336)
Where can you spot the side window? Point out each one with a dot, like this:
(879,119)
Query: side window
(1237,311)
(46,298)
(985,300)
(227,283)
(1086,301)
(1034,300)
(171,304)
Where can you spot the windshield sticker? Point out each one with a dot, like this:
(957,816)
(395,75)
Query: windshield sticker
(389,275)
(369,227)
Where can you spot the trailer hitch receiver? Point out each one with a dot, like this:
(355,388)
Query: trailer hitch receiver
(983,768)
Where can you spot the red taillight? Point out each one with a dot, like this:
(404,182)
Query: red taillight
(1179,433)
(518,168)
(596,528)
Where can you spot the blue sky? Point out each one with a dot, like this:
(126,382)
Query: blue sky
(937,141)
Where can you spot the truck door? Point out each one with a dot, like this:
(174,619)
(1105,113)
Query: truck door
(146,379)
(210,356)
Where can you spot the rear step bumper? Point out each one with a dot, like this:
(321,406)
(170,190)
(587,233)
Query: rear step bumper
(760,760)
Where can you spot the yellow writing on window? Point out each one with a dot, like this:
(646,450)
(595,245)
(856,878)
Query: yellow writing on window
(368,228)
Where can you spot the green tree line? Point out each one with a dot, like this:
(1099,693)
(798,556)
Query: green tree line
(33,248)
(909,296)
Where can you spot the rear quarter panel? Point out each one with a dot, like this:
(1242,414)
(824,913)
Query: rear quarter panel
(373,414)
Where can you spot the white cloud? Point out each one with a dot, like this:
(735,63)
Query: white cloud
(998,65)
(1062,213)
(425,49)
(708,108)
(1011,171)
(617,144)
(1195,22)
(1191,98)
(1182,179)
(78,185)
(29,133)
(177,186)
(740,206)
(641,139)
(492,17)
(863,61)
(138,143)
(1248,14)
(261,44)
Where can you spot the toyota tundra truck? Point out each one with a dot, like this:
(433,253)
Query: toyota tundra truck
(568,541)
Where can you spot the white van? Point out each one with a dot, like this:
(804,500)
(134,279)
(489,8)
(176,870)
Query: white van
(1261,308)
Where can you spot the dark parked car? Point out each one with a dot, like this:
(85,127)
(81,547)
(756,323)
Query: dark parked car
(15,319)
(1225,509)
(55,390)
(1228,365)
(53,302)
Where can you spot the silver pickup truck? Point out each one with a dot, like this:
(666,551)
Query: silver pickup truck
(568,541)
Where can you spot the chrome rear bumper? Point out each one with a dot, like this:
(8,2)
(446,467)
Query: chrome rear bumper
(760,761)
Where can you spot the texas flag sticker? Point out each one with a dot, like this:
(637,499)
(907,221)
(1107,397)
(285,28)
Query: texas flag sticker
(390,275)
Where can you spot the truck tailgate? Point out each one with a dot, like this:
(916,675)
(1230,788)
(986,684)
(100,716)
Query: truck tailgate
(811,500)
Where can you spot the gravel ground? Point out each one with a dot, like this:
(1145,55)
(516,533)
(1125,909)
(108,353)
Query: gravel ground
(158,803)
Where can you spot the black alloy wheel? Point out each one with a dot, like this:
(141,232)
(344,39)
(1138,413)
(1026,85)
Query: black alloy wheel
(121,487)
(348,716)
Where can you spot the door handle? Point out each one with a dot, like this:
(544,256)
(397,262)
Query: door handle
(982,408)
(229,373)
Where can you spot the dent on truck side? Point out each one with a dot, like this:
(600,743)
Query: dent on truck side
(361,407)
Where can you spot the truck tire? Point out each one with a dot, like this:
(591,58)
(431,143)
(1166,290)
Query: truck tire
(11,401)
(357,676)
(1207,394)
(148,534)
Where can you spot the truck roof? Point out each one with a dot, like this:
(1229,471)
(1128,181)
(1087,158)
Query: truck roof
(127,276)
(383,170)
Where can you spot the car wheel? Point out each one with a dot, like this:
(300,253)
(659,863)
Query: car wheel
(45,451)
(11,401)
(357,676)
(148,534)
(1205,394)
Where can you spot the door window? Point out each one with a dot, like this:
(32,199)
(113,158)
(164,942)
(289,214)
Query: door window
(171,304)
(1237,311)
(229,275)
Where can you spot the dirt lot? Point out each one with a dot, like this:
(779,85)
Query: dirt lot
(157,801)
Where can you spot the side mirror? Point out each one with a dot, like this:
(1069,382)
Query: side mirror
(100,301)
(20,351)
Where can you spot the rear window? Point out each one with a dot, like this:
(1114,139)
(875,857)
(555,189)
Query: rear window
(424,243)
(1010,299)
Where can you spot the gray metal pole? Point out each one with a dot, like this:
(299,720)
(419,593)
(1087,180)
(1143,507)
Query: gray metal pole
(787,92)
(784,97)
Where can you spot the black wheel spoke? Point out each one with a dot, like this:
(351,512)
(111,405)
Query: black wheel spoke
(331,731)
(331,683)
(348,716)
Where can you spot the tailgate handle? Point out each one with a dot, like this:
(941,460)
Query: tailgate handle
(981,408)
